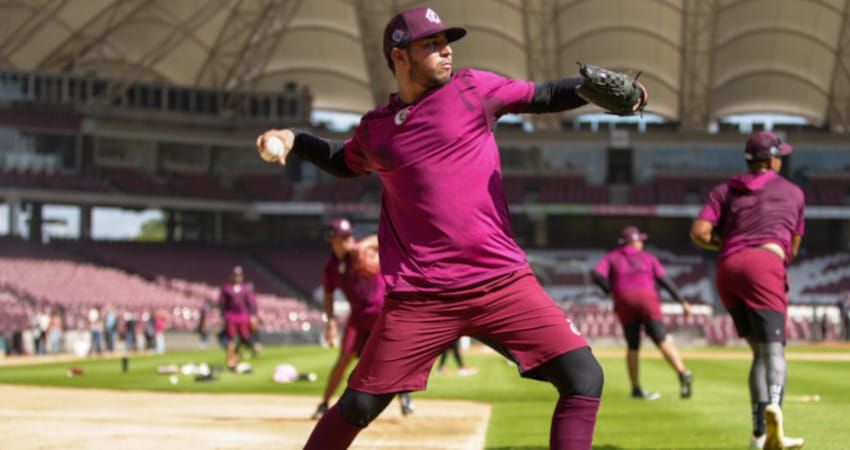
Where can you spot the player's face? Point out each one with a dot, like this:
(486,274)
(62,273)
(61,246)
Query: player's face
(776,164)
(430,61)
(342,244)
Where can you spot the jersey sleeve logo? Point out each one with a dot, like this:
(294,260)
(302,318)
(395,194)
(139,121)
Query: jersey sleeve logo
(573,327)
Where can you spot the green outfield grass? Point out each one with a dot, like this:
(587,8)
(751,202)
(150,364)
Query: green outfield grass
(717,417)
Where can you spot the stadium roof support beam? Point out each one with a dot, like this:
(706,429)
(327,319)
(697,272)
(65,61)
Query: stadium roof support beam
(41,16)
(698,18)
(244,46)
(92,34)
(242,19)
(543,58)
(838,114)
(181,29)
(372,17)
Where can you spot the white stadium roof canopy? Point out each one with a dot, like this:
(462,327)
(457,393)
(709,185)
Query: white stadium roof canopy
(702,60)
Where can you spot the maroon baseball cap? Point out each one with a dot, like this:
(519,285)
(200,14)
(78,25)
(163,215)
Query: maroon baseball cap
(763,145)
(339,227)
(631,233)
(416,23)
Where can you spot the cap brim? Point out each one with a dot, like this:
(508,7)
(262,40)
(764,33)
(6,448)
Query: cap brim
(455,33)
(332,234)
(785,149)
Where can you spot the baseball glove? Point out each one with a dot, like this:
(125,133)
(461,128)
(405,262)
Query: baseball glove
(366,261)
(613,91)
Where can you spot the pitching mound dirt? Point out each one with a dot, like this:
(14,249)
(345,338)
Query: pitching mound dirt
(59,418)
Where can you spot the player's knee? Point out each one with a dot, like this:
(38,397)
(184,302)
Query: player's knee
(360,409)
(658,338)
(655,330)
(591,380)
(632,334)
(759,349)
(575,373)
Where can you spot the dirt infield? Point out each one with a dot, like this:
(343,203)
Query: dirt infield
(60,418)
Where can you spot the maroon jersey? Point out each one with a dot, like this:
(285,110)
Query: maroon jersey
(365,294)
(444,218)
(754,209)
(237,300)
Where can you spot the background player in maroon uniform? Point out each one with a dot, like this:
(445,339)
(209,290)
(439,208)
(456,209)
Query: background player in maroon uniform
(759,217)
(630,274)
(364,290)
(238,304)
(448,256)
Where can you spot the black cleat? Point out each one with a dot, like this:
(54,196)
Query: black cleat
(320,411)
(686,378)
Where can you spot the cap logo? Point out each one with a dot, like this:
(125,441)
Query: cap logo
(401,116)
(774,151)
(398,35)
(345,225)
(432,16)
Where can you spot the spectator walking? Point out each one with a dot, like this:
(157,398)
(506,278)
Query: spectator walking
(844,312)
(55,331)
(96,330)
(110,327)
(160,321)
(131,328)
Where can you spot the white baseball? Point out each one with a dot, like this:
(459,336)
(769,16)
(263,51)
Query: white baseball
(273,149)
(173,379)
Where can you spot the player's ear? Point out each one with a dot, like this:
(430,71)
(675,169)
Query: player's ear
(399,56)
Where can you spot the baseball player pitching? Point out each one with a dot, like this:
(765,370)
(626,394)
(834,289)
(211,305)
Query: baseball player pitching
(448,256)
